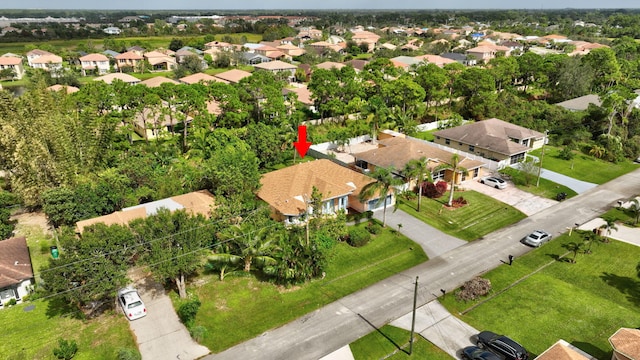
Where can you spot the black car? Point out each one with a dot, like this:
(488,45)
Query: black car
(476,353)
(502,345)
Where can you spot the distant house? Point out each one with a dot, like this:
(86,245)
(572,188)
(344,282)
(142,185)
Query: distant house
(321,47)
(112,30)
(50,63)
(303,96)
(66,88)
(277,67)
(366,37)
(309,34)
(197,202)
(157,81)
(291,50)
(249,58)
(128,60)
(154,122)
(110,53)
(110,78)
(461,58)
(493,139)
(288,191)
(437,60)
(581,103)
(328,65)
(198,77)
(487,52)
(94,62)
(16,272)
(626,344)
(160,61)
(233,76)
(14,63)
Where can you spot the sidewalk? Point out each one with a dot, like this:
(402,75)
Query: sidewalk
(624,233)
(578,186)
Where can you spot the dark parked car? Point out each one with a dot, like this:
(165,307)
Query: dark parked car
(476,353)
(502,345)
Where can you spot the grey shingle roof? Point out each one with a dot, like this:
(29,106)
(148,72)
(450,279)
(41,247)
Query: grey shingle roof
(581,103)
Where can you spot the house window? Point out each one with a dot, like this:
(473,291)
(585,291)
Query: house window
(476,171)
(472,148)
(343,203)
(459,144)
(438,176)
(447,141)
(517,158)
(438,137)
(525,142)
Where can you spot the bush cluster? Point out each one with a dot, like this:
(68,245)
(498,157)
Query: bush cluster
(374,228)
(187,311)
(434,191)
(358,236)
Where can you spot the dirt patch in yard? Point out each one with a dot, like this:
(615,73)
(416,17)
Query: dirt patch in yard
(26,220)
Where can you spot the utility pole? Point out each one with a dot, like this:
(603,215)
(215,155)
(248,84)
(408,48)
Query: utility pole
(413,320)
(546,132)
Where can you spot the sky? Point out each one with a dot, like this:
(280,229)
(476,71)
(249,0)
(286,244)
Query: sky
(310,4)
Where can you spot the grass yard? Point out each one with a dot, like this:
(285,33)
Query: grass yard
(254,306)
(390,342)
(583,167)
(625,216)
(583,303)
(482,215)
(547,188)
(34,334)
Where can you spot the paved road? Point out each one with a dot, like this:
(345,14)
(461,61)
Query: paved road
(343,321)
(433,241)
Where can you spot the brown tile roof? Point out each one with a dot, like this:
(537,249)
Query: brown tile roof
(129,55)
(328,65)
(285,189)
(435,59)
(38,52)
(304,95)
(46,59)
(198,77)
(491,134)
(396,152)
(626,342)
(561,350)
(15,262)
(109,78)
(69,89)
(275,65)
(357,64)
(233,75)
(157,81)
(94,57)
(197,202)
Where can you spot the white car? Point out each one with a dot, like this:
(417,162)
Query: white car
(494,182)
(131,303)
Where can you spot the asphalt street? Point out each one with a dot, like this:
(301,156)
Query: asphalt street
(345,320)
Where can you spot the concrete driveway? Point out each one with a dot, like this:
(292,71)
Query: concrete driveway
(527,203)
(160,334)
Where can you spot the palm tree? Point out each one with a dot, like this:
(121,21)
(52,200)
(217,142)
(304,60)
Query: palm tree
(417,168)
(575,248)
(252,245)
(384,182)
(454,166)
(608,226)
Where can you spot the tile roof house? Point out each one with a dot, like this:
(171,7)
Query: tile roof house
(16,272)
(492,139)
(95,62)
(160,61)
(197,202)
(396,152)
(128,59)
(198,77)
(562,350)
(487,52)
(626,344)
(110,78)
(157,81)
(66,88)
(8,61)
(291,50)
(276,67)
(233,75)
(328,65)
(366,37)
(34,54)
(288,190)
(581,103)
(435,59)
(153,122)
(250,58)
(461,58)
(47,62)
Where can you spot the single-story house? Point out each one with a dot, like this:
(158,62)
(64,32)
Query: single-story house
(16,272)
(232,76)
(626,344)
(493,139)
(66,88)
(581,103)
(288,191)
(277,66)
(562,350)
(157,81)
(198,77)
(197,202)
(110,78)
(395,152)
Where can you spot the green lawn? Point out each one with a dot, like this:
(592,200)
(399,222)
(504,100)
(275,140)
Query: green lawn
(583,303)
(546,188)
(34,334)
(622,215)
(482,215)
(254,306)
(390,342)
(584,167)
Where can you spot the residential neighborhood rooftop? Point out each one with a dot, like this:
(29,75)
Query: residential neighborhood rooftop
(15,262)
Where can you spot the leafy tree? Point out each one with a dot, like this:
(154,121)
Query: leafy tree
(192,64)
(175,44)
(66,349)
(606,67)
(418,169)
(433,80)
(382,186)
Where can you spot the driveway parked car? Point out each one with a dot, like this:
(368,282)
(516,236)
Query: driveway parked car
(502,345)
(494,182)
(537,238)
(476,353)
(131,303)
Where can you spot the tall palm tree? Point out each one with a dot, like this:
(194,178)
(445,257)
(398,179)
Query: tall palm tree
(608,227)
(418,169)
(383,184)
(454,166)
